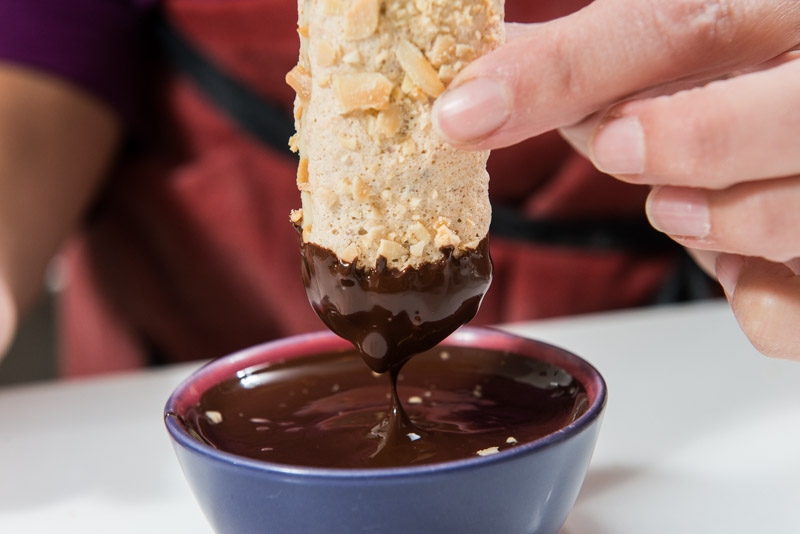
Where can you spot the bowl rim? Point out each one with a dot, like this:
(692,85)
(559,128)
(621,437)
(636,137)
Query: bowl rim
(201,379)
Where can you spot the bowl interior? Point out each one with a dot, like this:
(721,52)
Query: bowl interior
(188,393)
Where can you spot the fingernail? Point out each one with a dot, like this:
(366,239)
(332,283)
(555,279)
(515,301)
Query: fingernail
(727,269)
(471,111)
(679,211)
(618,147)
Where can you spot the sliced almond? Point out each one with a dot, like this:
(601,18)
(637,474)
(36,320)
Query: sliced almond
(391,250)
(305,200)
(326,195)
(361,19)
(445,237)
(389,121)
(296,216)
(334,7)
(419,236)
(417,249)
(465,52)
(302,172)
(350,253)
(352,58)
(361,190)
(443,50)
(363,90)
(418,68)
(326,54)
(408,147)
(348,142)
(299,79)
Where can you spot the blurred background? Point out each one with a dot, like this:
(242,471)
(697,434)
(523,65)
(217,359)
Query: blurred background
(32,356)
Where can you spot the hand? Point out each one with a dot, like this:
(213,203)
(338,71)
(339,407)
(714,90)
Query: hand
(56,142)
(698,98)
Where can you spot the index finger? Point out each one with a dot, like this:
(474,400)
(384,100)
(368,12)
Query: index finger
(554,74)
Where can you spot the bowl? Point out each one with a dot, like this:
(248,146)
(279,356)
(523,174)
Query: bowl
(529,488)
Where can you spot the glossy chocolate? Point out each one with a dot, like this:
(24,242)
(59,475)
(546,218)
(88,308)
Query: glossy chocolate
(328,410)
(391,314)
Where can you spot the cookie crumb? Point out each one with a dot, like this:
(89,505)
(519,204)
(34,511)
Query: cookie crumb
(488,451)
(214,417)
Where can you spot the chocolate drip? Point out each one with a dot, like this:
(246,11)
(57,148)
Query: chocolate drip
(391,314)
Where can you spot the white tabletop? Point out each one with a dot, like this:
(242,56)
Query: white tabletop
(701,435)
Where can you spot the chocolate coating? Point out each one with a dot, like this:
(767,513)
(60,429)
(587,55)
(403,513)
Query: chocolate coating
(391,314)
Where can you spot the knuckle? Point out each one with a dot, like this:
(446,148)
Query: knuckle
(697,27)
(696,145)
(752,219)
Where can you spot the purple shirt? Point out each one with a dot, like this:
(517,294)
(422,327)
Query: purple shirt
(94,44)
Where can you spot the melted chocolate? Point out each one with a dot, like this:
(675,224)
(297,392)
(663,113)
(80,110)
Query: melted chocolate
(391,314)
(329,411)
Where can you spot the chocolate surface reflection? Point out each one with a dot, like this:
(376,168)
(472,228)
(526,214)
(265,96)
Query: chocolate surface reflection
(330,411)
(391,314)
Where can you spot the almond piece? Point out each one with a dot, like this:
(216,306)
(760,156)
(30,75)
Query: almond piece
(363,90)
(334,7)
(361,190)
(296,216)
(352,58)
(327,196)
(326,54)
(391,250)
(417,249)
(350,253)
(348,142)
(389,121)
(302,172)
(443,50)
(299,79)
(361,19)
(305,201)
(418,68)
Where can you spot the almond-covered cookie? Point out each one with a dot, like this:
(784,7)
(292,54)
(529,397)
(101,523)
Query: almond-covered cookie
(374,178)
(394,221)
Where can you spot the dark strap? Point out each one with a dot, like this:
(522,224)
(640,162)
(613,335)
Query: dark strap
(252,113)
(630,234)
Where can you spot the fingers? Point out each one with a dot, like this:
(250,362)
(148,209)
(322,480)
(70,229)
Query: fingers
(726,132)
(765,298)
(753,219)
(554,74)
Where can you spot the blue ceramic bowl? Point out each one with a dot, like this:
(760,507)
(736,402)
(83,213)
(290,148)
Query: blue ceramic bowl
(526,489)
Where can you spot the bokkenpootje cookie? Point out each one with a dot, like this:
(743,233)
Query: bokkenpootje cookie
(374,179)
(393,222)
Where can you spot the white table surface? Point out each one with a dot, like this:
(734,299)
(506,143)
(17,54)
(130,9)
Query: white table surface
(701,435)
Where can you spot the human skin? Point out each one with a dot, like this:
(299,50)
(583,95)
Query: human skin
(55,145)
(699,99)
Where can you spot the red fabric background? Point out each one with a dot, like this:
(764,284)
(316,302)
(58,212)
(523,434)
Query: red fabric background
(191,255)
